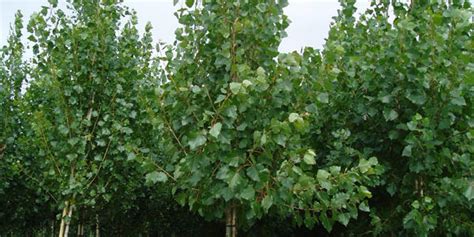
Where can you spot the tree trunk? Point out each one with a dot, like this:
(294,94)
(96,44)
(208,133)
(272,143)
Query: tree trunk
(63,219)
(80,230)
(69,215)
(97,227)
(231,222)
(52,227)
(80,225)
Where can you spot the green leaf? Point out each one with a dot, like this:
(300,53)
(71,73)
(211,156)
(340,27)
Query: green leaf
(290,59)
(248,193)
(417,99)
(322,175)
(412,125)
(343,218)
(325,221)
(335,170)
(280,139)
(260,72)
(253,174)
(71,157)
(407,151)
(198,141)
(267,202)
(155,177)
(235,181)
(231,112)
(131,156)
(386,99)
(458,100)
(364,207)
(391,189)
(189,3)
(195,89)
(283,3)
(469,193)
(216,130)
(366,165)
(235,87)
(323,98)
(32,38)
(263,139)
(53,2)
(73,141)
(247,83)
(261,7)
(308,157)
(223,173)
(293,117)
(219,99)
(390,115)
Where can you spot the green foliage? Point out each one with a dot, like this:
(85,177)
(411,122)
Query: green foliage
(18,204)
(402,82)
(82,103)
(64,101)
(12,75)
(236,117)
(375,132)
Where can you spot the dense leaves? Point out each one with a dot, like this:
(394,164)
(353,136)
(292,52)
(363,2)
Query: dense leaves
(402,83)
(81,106)
(236,119)
(372,135)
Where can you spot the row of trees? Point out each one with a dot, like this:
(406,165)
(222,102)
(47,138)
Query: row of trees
(102,133)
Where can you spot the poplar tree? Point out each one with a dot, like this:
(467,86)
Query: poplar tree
(403,81)
(236,117)
(86,74)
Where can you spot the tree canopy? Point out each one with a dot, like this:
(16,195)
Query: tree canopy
(105,133)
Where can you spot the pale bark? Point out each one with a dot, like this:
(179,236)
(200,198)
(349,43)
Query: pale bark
(69,215)
(97,226)
(63,219)
(52,228)
(80,230)
(231,222)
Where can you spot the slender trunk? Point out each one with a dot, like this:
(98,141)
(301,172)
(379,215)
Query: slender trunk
(80,230)
(234,222)
(63,219)
(97,227)
(80,225)
(67,211)
(52,227)
(231,222)
(421,186)
(69,215)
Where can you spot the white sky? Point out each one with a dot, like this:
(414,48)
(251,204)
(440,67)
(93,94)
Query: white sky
(309,26)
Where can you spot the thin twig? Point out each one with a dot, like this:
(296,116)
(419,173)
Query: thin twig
(101,163)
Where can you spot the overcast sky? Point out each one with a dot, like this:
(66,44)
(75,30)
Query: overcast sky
(309,26)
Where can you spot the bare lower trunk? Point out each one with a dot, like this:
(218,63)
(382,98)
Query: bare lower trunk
(52,227)
(231,222)
(63,219)
(80,230)
(69,215)
(97,226)
(67,211)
